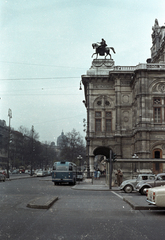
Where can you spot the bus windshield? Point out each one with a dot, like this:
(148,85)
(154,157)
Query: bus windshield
(61,168)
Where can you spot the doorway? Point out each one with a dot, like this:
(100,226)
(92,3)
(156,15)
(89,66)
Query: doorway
(157,167)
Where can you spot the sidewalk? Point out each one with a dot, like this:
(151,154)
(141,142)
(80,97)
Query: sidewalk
(95,185)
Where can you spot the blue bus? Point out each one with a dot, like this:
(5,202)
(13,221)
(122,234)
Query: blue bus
(64,172)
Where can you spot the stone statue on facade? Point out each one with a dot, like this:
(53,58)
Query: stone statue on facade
(156,29)
(102,49)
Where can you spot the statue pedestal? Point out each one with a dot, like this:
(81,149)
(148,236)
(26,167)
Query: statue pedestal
(101,67)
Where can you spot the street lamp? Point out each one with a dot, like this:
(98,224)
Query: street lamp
(9,135)
(79,158)
(134,156)
(87,138)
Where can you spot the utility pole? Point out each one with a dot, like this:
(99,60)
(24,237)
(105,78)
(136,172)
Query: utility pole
(9,139)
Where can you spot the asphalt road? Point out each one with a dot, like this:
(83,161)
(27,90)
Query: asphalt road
(90,215)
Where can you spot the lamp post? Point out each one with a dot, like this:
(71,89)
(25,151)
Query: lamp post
(79,173)
(134,156)
(9,135)
(79,158)
(87,138)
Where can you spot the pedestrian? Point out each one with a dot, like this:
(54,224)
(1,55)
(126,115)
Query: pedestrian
(119,175)
(98,174)
(95,174)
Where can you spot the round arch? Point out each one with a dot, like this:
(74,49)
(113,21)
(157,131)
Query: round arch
(102,151)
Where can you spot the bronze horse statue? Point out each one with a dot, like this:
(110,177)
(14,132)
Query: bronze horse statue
(102,50)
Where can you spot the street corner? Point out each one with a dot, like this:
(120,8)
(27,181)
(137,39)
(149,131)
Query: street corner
(42,202)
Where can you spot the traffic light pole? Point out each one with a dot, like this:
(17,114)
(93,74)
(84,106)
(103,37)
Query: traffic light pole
(110,169)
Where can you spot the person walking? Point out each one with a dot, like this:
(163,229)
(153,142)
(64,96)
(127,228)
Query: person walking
(98,174)
(95,174)
(119,175)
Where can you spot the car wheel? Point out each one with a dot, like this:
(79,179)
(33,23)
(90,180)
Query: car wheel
(143,190)
(128,189)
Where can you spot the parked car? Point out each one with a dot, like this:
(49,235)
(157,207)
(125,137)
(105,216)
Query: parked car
(4,172)
(158,181)
(21,170)
(42,173)
(79,176)
(2,177)
(32,172)
(15,171)
(130,185)
(156,196)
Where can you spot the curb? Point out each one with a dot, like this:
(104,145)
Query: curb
(42,203)
(138,207)
(18,178)
(93,187)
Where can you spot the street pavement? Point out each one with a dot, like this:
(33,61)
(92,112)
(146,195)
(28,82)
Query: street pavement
(135,200)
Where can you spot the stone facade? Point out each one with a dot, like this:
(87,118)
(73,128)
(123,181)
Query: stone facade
(126,106)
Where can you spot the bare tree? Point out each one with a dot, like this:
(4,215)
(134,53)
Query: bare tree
(73,146)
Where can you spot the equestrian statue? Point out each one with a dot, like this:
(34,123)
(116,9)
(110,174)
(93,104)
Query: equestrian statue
(102,49)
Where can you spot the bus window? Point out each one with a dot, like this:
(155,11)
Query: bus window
(70,168)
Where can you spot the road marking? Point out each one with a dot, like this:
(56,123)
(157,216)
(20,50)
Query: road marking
(117,194)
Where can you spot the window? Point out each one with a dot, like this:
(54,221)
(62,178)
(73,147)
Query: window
(108,121)
(157,115)
(98,121)
(157,101)
(99,103)
(157,110)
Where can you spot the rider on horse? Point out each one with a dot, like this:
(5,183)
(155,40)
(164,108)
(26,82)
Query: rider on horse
(102,49)
(102,44)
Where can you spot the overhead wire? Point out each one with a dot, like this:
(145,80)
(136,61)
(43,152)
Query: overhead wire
(37,64)
(39,78)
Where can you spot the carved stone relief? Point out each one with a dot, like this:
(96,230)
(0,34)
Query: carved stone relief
(159,87)
(125,98)
(103,86)
(125,119)
(104,101)
(125,83)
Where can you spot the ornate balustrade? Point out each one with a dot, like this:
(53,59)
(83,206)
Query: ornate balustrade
(150,66)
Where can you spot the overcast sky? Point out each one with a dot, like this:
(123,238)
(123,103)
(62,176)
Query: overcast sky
(46,45)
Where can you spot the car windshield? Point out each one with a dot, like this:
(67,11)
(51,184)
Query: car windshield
(151,178)
(161,178)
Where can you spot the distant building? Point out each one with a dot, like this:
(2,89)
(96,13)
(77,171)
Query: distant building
(126,106)
(61,141)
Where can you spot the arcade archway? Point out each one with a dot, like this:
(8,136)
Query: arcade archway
(100,155)
(104,151)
